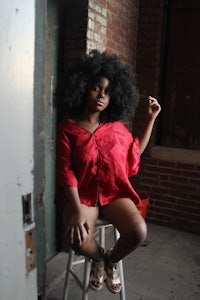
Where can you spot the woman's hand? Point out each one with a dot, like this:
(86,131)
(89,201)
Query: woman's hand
(78,227)
(154,108)
(152,112)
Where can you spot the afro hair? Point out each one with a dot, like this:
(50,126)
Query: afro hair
(123,92)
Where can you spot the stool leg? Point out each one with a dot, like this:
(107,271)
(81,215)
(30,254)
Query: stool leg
(102,237)
(122,292)
(69,266)
(86,278)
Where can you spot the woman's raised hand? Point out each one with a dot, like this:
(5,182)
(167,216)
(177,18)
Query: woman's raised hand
(154,108)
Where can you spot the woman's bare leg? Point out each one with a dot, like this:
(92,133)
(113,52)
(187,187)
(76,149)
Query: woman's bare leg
(89,247)
(124,215)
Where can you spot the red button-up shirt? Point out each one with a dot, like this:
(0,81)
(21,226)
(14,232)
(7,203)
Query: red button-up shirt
(98,163)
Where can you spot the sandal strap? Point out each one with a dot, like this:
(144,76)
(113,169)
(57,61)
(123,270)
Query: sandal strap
(97,275)
(113,275)
(97,270)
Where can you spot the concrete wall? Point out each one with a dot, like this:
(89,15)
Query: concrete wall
(17,21)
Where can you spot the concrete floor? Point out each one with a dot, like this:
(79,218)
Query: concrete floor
(166,267)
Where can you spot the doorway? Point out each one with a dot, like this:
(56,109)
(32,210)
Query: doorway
(47,59)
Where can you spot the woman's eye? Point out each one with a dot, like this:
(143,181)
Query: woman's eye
(96,88)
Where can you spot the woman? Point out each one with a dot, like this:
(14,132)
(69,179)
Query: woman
(96,156)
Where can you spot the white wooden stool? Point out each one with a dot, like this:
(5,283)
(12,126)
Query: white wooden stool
(101,226)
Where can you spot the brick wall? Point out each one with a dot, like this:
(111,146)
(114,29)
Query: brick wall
(122,27)
(112,26)
(97,24)
(74,16)
(173,186)
(149,45)
(109,25)
(174,192)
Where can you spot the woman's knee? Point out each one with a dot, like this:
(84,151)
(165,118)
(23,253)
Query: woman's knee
(142,231)
(137,232)
(126,218)
(83,246)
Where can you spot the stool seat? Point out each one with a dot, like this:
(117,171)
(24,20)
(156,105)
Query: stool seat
(99,234)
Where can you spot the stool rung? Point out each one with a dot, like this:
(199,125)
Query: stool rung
(77,262)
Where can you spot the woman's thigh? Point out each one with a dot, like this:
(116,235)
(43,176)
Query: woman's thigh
(92,214)
(124,215)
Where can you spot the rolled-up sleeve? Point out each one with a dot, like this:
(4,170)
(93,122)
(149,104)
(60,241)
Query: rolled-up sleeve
(64,167)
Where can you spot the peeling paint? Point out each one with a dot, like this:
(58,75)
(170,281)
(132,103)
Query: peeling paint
(40,202)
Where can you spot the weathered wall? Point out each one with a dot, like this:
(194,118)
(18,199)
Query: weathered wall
(17,20)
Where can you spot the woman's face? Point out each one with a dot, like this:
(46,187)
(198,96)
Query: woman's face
(98,98)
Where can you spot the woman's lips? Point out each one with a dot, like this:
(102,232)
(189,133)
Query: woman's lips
(100,103)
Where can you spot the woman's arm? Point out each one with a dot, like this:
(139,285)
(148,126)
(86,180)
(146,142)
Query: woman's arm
(77,226)
(152,112)
(72,196)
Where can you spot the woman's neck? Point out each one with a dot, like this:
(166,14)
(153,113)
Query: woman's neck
(89,118)
(88,121)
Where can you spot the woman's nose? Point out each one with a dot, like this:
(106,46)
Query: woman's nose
(101,93)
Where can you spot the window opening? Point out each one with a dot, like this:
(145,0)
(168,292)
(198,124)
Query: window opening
(181,107)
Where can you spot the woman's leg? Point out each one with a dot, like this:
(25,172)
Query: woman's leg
(89,247)
(124,215)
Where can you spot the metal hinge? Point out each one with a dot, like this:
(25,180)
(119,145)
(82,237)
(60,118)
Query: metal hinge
(30,249)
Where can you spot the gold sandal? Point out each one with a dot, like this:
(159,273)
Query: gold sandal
(113,276)
(96,276)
